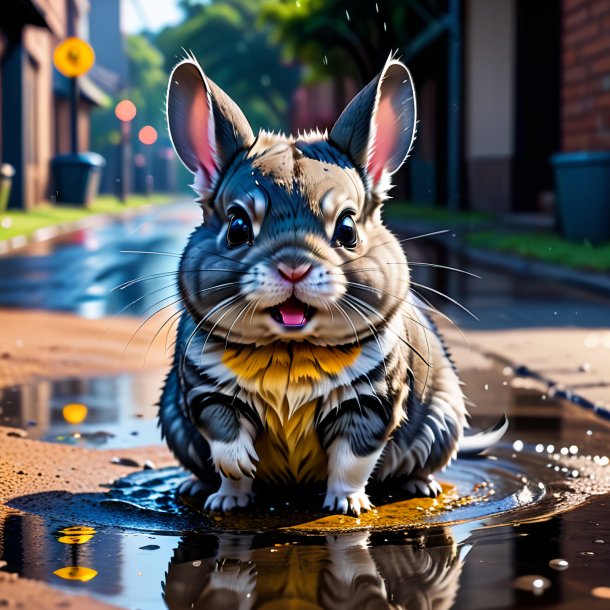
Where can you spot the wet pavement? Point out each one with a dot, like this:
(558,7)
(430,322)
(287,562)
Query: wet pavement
(526,526)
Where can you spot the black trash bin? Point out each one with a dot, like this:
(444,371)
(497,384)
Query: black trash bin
(6,182)
(582,181)
(77,177)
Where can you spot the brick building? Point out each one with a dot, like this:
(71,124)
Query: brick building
(34,104)
(585,110)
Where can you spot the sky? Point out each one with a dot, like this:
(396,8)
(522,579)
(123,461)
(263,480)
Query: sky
(153,15)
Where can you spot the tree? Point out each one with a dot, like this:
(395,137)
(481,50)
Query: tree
(337,37)
(238,55)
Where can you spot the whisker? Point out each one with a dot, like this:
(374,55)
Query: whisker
(446,296)
(389,327)
(418,264)
(350,321)
(348,301)
(216,287)
(244,309)
(400,241)
(151,252)
(219,307)
(144,278)
(371,289)
(212,332)
(174,315)
(428,307)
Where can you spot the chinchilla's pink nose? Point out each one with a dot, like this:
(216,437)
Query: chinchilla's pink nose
(293,274)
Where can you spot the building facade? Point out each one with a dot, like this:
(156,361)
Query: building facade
(34,106)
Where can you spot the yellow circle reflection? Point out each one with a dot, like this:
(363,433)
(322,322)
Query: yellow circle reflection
(76,573)
(74,412)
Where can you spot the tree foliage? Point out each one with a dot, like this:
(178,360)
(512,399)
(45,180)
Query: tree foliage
(337,37)
(238,54)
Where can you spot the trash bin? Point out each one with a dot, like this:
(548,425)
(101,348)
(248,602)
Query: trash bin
(6,182)
(582,185)
(77,177)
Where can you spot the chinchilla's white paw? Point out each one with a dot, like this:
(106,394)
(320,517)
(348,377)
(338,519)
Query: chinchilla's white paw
(231,494)
(428,487)
(342,502)
(236,459)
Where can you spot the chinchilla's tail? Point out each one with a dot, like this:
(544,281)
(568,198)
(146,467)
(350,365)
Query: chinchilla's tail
(475,444)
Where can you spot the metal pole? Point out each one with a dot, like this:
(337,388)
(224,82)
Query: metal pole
(74,89)
(74,94)
(125,161)
(454,98)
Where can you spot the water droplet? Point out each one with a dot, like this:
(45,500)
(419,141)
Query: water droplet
(587,553)
(573,449)
(518,445)
(550,448)
(599,541)
(486,387)
(197,563)
(559,564)
(347,14)
(539,448)
(589,432)
(532,582)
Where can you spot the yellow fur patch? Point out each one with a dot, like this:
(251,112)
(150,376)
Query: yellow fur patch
(290,451)
(283,374)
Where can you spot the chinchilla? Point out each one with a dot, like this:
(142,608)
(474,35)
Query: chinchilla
(302,354)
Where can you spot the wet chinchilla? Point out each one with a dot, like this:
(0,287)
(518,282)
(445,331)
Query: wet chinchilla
(302,354)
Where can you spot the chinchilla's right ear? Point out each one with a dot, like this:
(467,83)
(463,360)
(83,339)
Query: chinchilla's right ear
(206,126)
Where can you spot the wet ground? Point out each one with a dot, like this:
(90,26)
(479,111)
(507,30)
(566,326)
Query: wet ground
(525,526)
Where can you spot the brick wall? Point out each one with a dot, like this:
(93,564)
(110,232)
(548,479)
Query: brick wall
(586,75)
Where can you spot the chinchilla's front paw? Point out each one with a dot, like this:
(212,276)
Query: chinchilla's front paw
(236,459)
(344,502)
(231,494)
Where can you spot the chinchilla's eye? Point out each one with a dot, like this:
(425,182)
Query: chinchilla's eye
(239,231)
(345,232)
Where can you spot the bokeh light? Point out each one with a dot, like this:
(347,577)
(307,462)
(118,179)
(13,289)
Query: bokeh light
(74,412)
(148,135)
(125,110)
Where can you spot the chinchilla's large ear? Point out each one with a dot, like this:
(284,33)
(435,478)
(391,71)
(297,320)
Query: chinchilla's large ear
(377,128)
(206,126)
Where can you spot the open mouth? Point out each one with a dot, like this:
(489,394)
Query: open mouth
(292,313)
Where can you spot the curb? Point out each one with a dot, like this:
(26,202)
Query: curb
(597,283)
(46,233)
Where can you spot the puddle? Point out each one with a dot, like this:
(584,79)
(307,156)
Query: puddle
(519,527)
(102,412)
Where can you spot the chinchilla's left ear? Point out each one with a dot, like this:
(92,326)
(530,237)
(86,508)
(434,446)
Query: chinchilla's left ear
(377,128)
(206,126)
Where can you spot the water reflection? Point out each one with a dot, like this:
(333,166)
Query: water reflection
(111,411)
(77,272)
(345,571)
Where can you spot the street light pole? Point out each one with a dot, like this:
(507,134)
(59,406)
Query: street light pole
(74,89)
(74,94)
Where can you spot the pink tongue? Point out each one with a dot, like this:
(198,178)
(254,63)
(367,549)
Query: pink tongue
(293,312)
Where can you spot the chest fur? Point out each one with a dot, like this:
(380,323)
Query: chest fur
(289,379)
